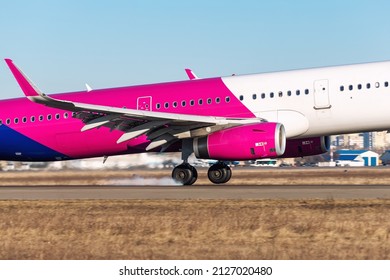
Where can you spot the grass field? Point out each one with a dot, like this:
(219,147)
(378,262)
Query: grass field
(190,229)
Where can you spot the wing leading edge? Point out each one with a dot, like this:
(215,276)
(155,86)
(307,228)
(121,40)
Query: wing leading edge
(162,129)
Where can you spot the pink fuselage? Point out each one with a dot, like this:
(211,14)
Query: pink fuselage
(58,136)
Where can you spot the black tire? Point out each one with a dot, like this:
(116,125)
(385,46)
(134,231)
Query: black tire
(194,175)
(219,173)
(185,174)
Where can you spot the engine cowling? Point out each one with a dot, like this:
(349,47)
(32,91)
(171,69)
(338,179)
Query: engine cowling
(245,142)
(306,146)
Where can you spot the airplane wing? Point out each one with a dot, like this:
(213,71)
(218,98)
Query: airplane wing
(162,129)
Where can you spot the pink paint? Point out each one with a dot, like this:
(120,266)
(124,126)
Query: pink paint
(205,97)
(246,142)
(190,74)
(23,81)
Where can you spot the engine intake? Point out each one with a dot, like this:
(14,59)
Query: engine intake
(245,142)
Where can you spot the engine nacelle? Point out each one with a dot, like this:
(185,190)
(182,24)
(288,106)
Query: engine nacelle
(247,142)
(306,146)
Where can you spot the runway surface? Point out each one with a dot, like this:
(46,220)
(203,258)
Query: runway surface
(194,192)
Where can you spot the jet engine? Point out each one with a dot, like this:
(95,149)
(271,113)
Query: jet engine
(306,146)
(246,142)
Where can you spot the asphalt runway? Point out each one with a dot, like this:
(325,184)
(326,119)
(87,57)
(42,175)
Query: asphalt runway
(194,192)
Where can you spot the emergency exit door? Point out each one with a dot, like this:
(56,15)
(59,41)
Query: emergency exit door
(321,95)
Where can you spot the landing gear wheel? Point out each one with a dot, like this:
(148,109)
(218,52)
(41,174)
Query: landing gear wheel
(219,173)
(185,174)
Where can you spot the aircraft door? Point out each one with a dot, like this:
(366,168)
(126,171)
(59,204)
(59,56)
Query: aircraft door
(144,103)
(321,95)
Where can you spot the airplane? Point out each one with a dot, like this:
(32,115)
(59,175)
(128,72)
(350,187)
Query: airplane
(240,117)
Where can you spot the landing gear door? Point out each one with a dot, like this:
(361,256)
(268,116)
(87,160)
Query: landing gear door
(144,103)
(321,95)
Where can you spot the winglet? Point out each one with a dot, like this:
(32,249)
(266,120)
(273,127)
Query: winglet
(28,87)
(191,74)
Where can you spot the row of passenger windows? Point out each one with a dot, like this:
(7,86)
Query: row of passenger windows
(33,118)
(360,86)
(279,94)
(192,102)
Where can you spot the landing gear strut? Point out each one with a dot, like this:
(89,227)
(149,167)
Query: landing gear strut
(186,174)
(219,173)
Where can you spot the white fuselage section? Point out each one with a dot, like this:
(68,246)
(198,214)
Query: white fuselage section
(320,101)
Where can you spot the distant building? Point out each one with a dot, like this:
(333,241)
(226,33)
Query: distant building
(385,158)
(380,140)
(368,157)
(368,140)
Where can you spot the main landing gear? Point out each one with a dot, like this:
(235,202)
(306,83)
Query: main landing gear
(186,174)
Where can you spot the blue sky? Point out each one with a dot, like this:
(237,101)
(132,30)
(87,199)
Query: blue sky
(63,44)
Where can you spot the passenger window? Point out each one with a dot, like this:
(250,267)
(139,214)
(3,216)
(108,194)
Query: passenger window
(359,86)
(298,92)
(271,95)
(280,94)
(350,87)
(192,102)
(263,95)
(66,115)
(8,121)
(166,105)
(16,120)
(32,119)
(241,97)
(158,106)
(40,118)
(386,84)
(49,117)
(24,120)
(174,104)
(208,100)
(254,96)
(306,91)
(368,85)
(227,99)
(217,100)
(200,101)
(57,116)
(377,85)
(342,88)
(183,103)
(289,93)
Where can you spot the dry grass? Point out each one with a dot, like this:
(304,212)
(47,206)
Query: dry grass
(204,229)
